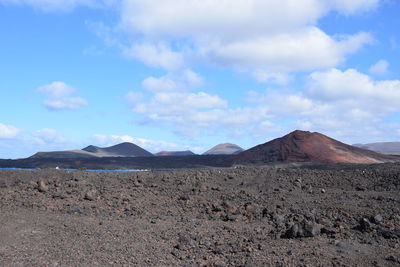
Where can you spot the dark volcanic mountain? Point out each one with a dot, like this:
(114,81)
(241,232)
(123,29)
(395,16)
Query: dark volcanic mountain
(67,154)
(175,153)
(121,150)
(301,146)
(382,147)
(224,149)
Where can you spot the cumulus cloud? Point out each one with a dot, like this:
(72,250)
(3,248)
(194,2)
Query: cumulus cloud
(256,36)
(229,19)
(48,136)
(59,97)
(356,89)
(350,104)
(344,103)
(8,131)
(350,7)
(193,114)
(59,5)
(65,103)
(283,104)
(158,55)
(18,143)
(179,81)
(379,68)
(306,49)
(176,106)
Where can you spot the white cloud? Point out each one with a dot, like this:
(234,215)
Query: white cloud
(18,143)
(48,136)
(280,105)
(301,50)
(379,68)
(354,6)
(333,99)
(158,55)
(229,19)
(179,81)
(57,90)
(65,103)
(356,89)
(8,131)
(58,97)
(348,44)
(164,105)
(59,5)
(258,36)
(348,105)
(193,114)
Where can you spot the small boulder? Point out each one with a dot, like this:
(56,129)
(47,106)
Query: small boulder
(217,208)
(365,226)
(279,219)
(185,242)
(136,183)
(184,197)
(376,219)
(3,183)
(229,207)
(303,229)
(91,194)
(42,186)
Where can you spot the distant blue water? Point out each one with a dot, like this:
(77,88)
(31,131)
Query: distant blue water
(91,170)
(16,169)
(88,170)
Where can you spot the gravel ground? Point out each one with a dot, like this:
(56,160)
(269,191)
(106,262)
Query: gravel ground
(284,215)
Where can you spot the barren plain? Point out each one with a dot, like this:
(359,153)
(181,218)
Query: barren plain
(278,215)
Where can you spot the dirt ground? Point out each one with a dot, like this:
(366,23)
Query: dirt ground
(329,215)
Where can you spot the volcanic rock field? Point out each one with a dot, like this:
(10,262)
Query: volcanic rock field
(277,215)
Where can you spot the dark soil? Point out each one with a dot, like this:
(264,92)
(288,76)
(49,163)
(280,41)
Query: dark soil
(323,215)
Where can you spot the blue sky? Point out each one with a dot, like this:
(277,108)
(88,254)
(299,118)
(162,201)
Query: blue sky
(177,75)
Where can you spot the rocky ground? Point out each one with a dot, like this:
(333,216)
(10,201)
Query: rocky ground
(244,216)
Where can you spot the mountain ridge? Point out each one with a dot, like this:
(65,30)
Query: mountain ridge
(224,149)
(125,149)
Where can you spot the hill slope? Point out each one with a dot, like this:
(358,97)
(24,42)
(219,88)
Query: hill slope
(301,146)
(71,154)
(121,150)
(224,149)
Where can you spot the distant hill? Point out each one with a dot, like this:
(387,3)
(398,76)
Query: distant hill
(224,149)
(382,147)
(65,154)
(175,153)
(121,150)
(301,146)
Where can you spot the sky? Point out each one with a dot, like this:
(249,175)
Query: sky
(190,74)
